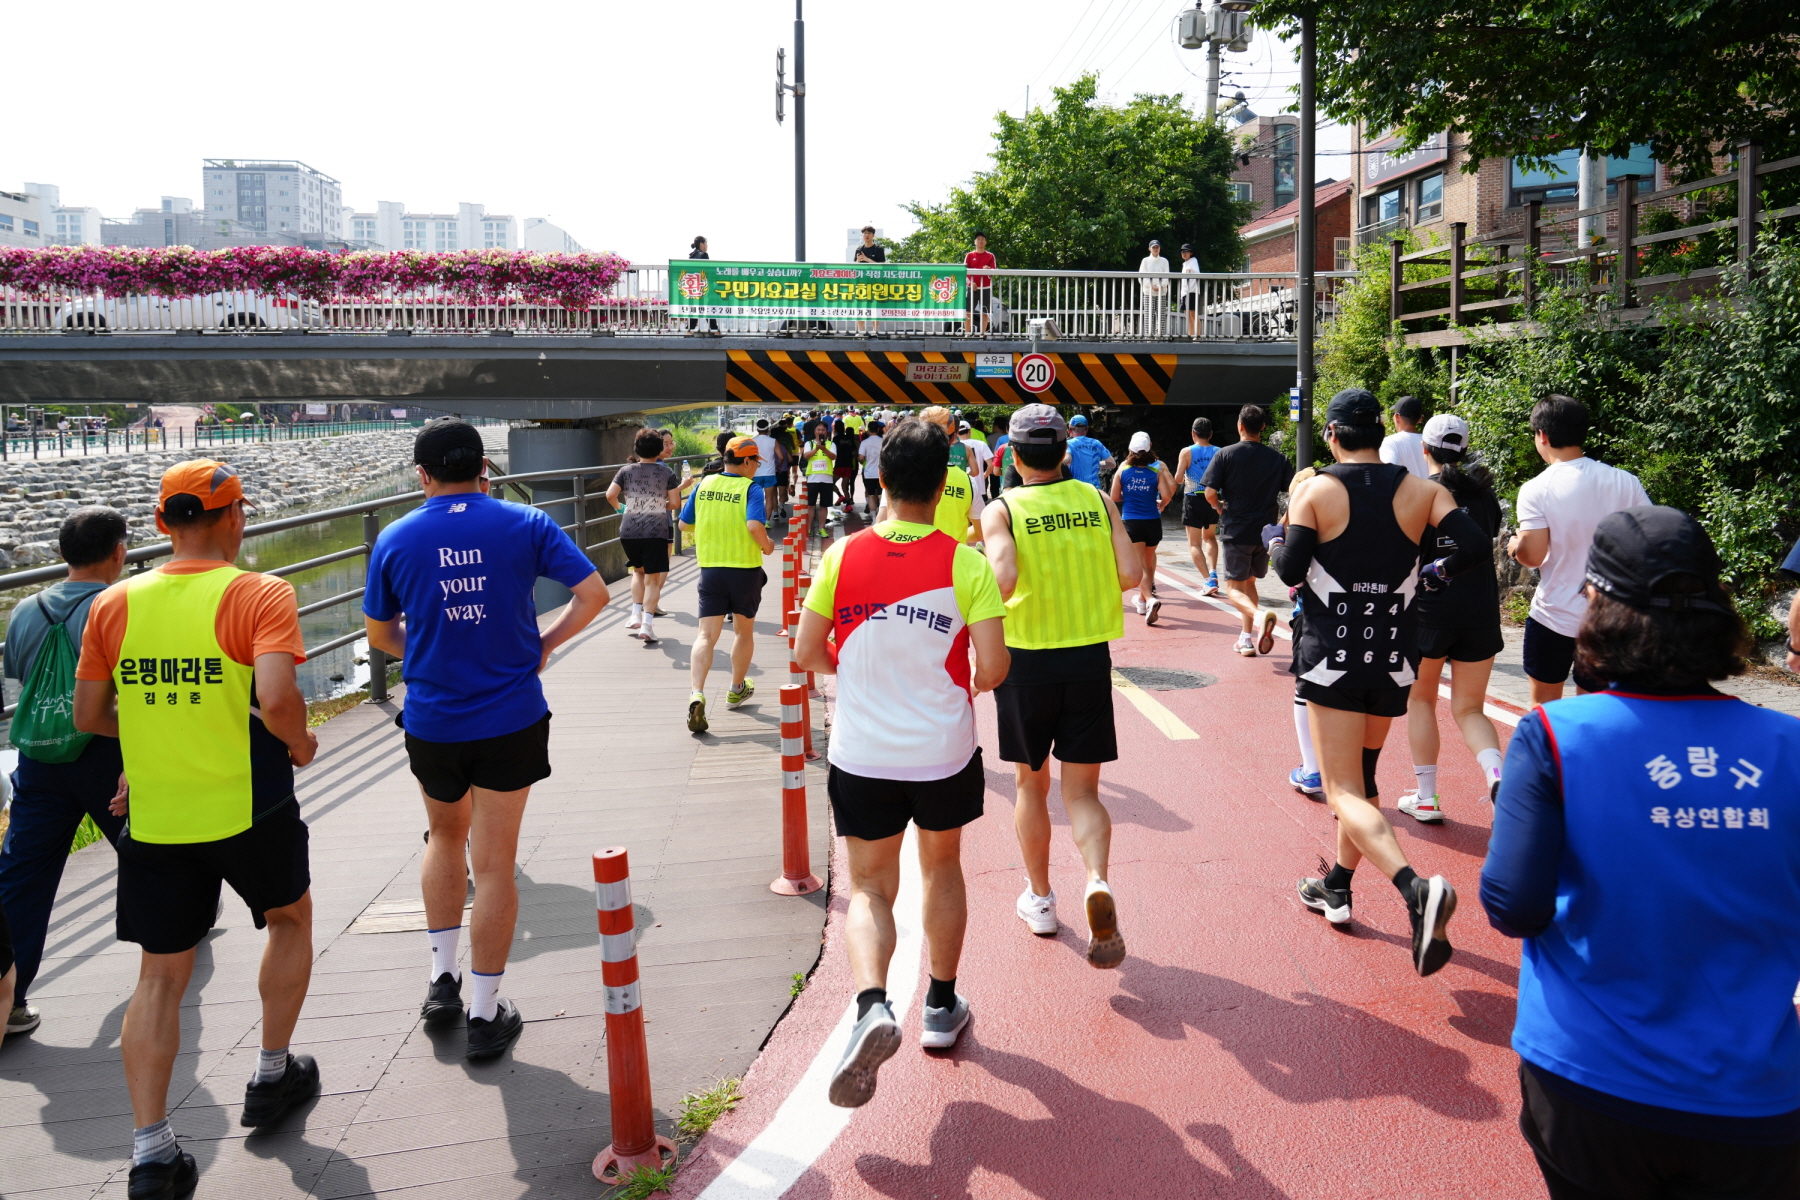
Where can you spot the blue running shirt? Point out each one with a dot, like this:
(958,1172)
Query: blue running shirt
(1085,456)
(461,568)
(1138,494)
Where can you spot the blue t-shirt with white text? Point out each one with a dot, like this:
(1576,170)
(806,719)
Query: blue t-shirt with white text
(461,568)
(1085,456)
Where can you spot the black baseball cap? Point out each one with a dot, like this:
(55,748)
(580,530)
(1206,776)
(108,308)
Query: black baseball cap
(448,444)
(1409,407)
(1353,406)
(1636,550)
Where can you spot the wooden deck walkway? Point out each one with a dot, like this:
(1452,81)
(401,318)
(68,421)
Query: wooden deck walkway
(402,1113)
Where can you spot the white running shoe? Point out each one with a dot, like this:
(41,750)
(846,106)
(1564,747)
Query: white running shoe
(1154,610)
(1105,947)
(1422,808)
(940,1027)
(1139,604)
(1246,645)
(1038,912)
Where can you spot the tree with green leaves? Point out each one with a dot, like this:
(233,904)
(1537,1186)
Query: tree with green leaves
(1530,78)
(1083,185)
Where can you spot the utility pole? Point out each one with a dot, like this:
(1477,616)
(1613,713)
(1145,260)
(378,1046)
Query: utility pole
(1305,243)
(798,89)
(1217,28)
(1590,192)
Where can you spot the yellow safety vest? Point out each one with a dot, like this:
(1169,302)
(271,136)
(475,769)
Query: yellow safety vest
(1068,589)
(818,462)
(722,524)
(184,711)
(952,514)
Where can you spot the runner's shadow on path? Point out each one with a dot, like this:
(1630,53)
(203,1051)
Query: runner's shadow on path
(1090,1146)
(1505,974)
(1125,805)
(1305,1050)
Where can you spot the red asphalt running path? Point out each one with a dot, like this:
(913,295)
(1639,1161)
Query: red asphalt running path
(1245,1049)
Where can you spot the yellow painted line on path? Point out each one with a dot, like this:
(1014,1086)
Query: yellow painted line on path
(1171,725)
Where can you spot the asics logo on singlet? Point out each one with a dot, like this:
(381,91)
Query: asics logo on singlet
(1053,522)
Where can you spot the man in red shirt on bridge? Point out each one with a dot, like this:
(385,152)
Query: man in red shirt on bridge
(981,287)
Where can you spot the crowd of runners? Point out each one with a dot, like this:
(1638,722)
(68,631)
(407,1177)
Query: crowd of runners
(1646,833)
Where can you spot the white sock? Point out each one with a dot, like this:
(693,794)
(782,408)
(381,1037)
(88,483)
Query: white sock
(1427,781)
(1309,762)
(270,1065)
(443,952)
(649,626)
(1490,761)
(154,1144)
(637,613)
(486,1001)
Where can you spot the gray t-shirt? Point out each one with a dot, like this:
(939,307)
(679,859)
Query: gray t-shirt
(25,631)
(645,487)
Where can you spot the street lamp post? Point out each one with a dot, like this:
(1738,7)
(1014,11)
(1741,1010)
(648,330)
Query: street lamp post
(798,90)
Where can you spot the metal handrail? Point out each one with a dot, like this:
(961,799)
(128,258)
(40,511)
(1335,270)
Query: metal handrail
(367,510)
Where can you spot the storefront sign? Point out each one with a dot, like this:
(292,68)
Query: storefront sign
(817,291)
(1384,160)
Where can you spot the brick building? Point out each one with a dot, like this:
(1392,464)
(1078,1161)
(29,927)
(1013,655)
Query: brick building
(1266,172)
(1269,240)
(1426,188)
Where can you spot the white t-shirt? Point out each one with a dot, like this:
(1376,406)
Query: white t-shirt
(765,449)
(1568,499)
(871,452)
(1159,265)
(1190,287)
(1406,450)
(979,455)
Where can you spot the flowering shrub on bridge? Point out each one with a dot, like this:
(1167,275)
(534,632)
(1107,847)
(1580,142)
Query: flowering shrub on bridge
(570,280)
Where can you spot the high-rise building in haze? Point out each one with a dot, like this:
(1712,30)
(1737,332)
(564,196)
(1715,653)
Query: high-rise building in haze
(65,225)
(470,227)
(274,196)
(546,238)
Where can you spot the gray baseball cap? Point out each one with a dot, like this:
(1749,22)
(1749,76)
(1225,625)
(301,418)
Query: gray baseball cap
(1037,423)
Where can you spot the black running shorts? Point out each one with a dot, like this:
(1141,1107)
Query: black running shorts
(872,809)
(1461,645)
(820,495)
(649,555)
(1244,561)
(1550,657)
(1145,531)
(1075,720)
(505,763)
(731,590)
(6,944)
(1197,513)
(168,893)
(1376,702)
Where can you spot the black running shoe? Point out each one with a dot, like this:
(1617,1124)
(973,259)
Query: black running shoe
(1333,902)
(443,1003)
(489,1039)
(267,1103)
(1431,905)
(164,1181)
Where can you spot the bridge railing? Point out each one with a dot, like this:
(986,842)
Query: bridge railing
(1085,305)
(586,485)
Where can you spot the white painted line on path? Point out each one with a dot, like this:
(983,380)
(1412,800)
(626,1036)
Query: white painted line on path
(807,1123)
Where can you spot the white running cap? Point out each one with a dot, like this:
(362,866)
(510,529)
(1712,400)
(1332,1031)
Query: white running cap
(1140,441)
(1447,432)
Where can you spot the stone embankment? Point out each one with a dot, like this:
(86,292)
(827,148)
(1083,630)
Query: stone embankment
(35,495)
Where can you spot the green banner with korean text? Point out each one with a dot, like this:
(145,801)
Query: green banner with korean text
(818,291)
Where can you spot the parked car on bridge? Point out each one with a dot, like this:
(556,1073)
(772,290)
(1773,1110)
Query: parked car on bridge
(214,310)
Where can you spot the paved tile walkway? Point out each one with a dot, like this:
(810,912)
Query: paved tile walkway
(403,1114)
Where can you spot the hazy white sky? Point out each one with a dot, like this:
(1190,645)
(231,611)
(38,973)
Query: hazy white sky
(635,126)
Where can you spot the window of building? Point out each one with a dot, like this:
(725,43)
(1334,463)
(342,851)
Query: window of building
(6,223)
(1286,176)
(1385,206)
(30,227)
(1239,190)
(1428,198)
(1340,253)
(1558,181)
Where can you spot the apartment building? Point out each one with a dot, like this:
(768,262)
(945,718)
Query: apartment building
(21,220)
(274,196)
(544,237)
(65,225)
(1267,171)
(178,221)
(470,227)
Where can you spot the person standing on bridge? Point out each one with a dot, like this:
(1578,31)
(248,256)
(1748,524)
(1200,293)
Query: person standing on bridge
(450,593)
(1352,539)
(731,536)
(1646,848)
(1062,560)
(68,775)
(1243,484)
(903,603)
(191,667)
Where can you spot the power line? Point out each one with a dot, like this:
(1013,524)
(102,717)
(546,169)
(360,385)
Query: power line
(1099,47)
(1128,44)
(1057,53)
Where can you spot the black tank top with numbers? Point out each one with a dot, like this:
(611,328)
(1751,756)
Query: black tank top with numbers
(1358,627)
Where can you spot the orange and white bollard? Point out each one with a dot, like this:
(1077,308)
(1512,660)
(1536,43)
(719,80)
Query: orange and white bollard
(635,1140)
(805,586)
(789,578)
(797,677)
(796,877)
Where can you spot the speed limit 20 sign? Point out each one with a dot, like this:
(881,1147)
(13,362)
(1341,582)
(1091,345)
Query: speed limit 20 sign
(1035,373)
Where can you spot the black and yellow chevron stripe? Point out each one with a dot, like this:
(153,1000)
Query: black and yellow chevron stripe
(878,377)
